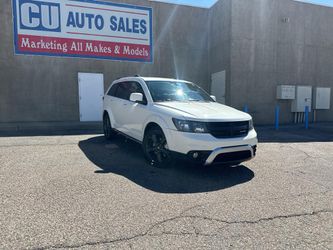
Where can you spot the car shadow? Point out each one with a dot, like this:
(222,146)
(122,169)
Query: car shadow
(125,157)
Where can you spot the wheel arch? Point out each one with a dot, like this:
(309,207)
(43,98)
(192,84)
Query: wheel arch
(151,125)
(156,121)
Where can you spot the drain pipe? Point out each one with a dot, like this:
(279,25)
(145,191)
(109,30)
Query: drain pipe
(306,117)
(277,116)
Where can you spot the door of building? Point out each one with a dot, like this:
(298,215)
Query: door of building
(91,92)
(218,86)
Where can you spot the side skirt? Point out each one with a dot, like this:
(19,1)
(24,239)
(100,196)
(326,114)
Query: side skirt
(127,136)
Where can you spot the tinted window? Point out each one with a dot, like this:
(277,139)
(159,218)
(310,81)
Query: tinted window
(125,90)
(136,88)
(112,91)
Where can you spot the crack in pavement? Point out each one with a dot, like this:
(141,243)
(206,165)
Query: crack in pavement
(259,220)
(301,175)
(182,216)
(306,154)
(184,234)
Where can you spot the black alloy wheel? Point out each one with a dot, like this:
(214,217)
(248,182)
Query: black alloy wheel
(155,148)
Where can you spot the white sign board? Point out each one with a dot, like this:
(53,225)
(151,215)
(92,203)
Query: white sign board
(83,28)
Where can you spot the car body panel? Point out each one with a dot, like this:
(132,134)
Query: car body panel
(132,119)
(205,111)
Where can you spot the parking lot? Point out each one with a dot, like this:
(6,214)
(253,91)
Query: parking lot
(81,191)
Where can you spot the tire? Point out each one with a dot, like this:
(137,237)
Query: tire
(107,128)
(155,148)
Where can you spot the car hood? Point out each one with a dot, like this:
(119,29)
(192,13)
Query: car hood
(204,111)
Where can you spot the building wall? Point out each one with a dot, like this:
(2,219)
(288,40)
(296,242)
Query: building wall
(247,38)
(220,40)
(39,88)
(266,52)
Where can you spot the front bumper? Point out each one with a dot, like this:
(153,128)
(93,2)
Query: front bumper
(223,156)
(185,142)
(212,150)
(241,154)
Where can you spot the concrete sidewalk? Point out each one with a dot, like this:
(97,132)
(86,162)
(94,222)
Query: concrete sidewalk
(50,128)
(296,133)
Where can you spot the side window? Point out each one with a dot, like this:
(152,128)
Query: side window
(123,91)
(112,91)
(135,87)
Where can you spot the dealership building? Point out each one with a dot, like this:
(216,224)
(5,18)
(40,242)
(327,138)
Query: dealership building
(57,57)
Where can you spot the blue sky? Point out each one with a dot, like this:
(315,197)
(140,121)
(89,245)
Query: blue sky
(209,3)
(322,2)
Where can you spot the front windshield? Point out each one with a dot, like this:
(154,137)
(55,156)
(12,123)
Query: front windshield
(168,91)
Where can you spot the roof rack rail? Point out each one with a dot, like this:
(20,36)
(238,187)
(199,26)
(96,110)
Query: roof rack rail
(126,76)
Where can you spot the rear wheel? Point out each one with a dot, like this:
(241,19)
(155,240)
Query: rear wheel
(108,131)
(155,148)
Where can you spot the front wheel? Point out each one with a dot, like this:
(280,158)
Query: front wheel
(155,148)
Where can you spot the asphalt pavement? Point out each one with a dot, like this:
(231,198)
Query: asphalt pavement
(81,191)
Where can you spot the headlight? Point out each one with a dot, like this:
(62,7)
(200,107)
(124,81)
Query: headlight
(251,125)
(190,126)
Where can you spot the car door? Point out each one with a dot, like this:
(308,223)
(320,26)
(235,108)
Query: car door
(120,106)
(135,114)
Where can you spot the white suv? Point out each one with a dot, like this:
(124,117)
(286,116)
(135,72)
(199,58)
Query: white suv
(177,118)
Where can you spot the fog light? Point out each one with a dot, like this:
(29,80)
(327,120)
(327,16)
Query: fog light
(195,155)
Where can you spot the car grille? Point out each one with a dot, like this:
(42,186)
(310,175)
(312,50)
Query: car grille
(233,157)
(228,129)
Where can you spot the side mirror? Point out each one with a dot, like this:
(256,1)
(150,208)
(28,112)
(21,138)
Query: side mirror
(136,97)
(213,97)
